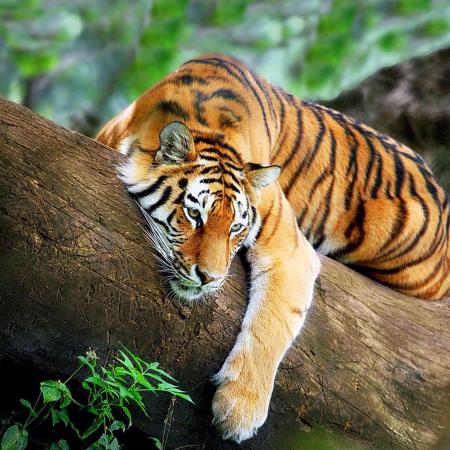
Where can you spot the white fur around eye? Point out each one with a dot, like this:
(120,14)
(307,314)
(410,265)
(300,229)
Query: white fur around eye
(189,216)
(203,202)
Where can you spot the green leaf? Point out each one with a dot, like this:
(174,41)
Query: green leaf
(88,362)
(35,63)
(117,425)
(60,416)
(157,442)
(27,405)
(66,402)
(64,389)
(162,372)
(98,422)
(63,416)
(55,417)
(127,413)
(15,438)
(114,445)
(95,379)
(51,391)
(185,397)
(144,382)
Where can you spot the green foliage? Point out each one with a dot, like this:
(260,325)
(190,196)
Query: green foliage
(229,11)
(15,438)
(98,56)
(157,47)
(111,391)
(36,35)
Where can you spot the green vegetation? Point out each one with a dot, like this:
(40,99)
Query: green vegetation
(80,61)
(110,392)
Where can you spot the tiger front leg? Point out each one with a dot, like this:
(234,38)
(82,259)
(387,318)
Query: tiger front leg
(284,267)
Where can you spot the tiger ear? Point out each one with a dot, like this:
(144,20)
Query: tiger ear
(260,176)
(176,144)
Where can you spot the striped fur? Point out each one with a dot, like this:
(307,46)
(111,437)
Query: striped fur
(202,148)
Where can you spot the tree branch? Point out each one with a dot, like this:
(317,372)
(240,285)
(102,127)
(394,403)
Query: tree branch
(76,271)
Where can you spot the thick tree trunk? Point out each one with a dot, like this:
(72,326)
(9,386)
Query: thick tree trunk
(76,271)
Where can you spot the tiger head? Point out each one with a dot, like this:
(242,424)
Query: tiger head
(200,203)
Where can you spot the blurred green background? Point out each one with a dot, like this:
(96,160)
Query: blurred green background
(83,60)
(79,62)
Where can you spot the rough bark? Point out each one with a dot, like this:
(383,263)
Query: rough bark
(76,272)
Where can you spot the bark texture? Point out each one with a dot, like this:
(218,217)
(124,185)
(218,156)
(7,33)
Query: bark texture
(76,271)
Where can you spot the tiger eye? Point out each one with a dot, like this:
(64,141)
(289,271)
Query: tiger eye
(193,213)
(236,227)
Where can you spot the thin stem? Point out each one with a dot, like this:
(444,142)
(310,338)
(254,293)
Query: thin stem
(28,421)
(74,373)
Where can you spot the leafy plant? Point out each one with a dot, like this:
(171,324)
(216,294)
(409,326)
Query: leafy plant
(111,390)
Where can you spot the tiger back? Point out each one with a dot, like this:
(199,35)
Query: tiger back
(359,196)
(218,159)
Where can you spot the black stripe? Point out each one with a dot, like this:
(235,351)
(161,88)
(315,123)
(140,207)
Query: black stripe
(210,180)
(392,270)
(265,93)
(209,169)
(160,222)
(378,177)
(395,253)
(232,176)
(229,118)
(352,167)
(213,62)
(163,199)
(187,80)
(200,98)
(332,164)
(311,156)
(399,173)
(242,79)
(232,187)
(220,143)
(179,199)
(320,229)
(152,188)
(416,284)
(232,166)
(169,220)
(282,107)
(397,227)
(209,158)
(192,198)
(307,161)
(172,107)
(358,222)
(247,82)
(371,158)
(254,215)
(298,138)
(229,94)
(430,183)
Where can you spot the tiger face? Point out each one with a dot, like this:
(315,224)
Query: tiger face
(200,203)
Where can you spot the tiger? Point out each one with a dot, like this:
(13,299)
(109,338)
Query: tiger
(220,160)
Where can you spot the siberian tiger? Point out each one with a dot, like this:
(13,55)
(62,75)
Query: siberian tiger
(219,159)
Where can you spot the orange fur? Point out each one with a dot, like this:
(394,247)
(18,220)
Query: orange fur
(355,194)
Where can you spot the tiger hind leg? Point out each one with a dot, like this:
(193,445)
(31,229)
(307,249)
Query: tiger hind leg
(397,242)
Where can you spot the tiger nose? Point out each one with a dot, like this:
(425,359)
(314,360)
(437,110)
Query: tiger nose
(205,277)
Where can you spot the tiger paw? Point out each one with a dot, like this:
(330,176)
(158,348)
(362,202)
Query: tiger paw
(238,410)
